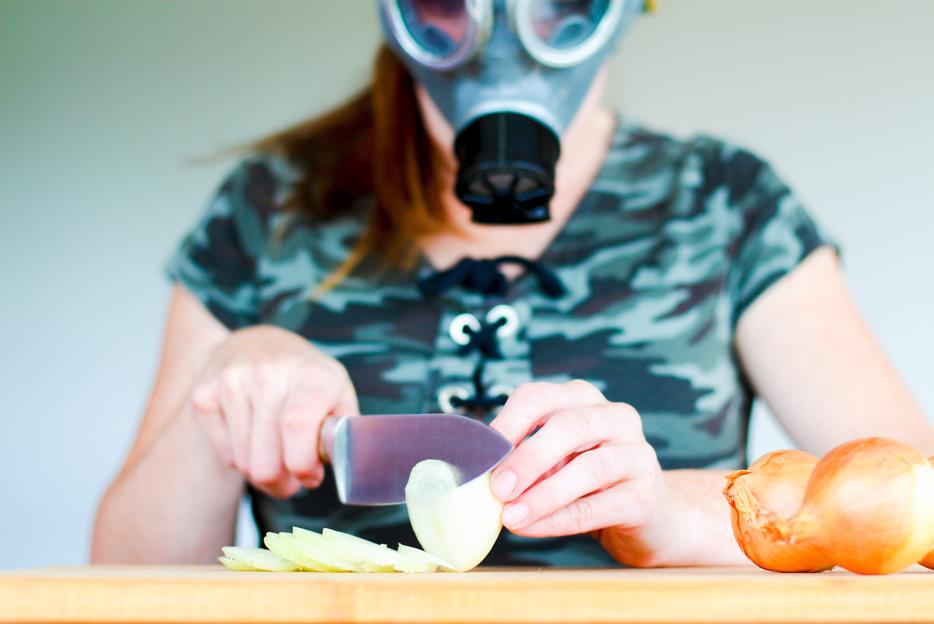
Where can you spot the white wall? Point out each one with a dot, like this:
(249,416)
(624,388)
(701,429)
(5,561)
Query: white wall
(104,104)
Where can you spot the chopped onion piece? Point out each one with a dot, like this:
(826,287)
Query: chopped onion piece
(238,566)
(255,559)
(418,553)
(324,550)
(289,547)
(367,555)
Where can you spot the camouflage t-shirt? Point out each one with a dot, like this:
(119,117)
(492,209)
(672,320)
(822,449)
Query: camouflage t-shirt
(639,294)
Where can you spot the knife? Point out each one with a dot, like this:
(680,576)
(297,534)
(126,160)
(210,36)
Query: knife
(372,456)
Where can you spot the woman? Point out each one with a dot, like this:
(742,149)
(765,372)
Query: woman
(338,271)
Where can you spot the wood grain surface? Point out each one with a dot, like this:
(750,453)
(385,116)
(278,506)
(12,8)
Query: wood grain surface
(212,594)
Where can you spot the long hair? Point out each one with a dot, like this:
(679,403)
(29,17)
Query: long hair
(375,144)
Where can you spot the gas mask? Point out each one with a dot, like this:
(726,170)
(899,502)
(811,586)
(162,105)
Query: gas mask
(508,75)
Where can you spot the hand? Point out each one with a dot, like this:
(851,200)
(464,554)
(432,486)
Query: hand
(586,468)
(262,398)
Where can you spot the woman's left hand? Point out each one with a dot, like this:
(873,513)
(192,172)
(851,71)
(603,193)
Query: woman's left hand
(587,468)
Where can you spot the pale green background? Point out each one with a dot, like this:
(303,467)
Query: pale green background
(104,106)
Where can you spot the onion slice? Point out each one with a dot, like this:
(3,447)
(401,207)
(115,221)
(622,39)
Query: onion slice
(367,556)
(928,561)
(254,560)
(304,554)
(426,558)
(330,551)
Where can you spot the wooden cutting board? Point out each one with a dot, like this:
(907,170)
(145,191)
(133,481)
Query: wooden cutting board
(212,594)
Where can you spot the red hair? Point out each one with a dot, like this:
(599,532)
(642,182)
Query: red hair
(373,144)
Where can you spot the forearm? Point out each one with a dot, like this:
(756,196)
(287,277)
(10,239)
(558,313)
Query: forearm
(696,529)
(177,503)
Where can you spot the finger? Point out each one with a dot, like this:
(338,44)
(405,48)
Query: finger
(237,415)
(561,464)
(566,432)
(299,421)
(267,470)
(587,473)
(629,504)
(285,487)
(530,404)
(206,406)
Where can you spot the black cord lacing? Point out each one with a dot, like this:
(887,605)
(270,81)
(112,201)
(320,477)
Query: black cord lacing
(480,398)
(486,278)
(484,340)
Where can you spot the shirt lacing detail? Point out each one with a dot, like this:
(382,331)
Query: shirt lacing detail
(480,399)
(485,277)
(485,340)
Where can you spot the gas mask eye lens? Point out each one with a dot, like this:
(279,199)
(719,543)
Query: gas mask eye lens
(562,33)
(570,32)
(564,24)
(439,26)
(439,34)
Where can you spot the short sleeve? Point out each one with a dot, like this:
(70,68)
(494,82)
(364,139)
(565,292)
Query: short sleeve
(775,232)
(218,260)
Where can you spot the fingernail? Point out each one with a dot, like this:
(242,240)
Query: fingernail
(514,514)
(503,483)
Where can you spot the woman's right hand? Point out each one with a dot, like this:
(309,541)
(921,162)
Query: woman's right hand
(262,398)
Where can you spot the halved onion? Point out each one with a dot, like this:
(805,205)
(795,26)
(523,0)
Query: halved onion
(457,522)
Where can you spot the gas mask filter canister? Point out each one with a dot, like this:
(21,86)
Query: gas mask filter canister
(508,75)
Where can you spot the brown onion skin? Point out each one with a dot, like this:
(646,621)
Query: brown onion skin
(763,500)
(928,561)
(862,508)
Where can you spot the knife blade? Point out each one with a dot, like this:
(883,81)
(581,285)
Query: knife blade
(372,456)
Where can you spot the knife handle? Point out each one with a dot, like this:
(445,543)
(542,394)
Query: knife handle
(326,438)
